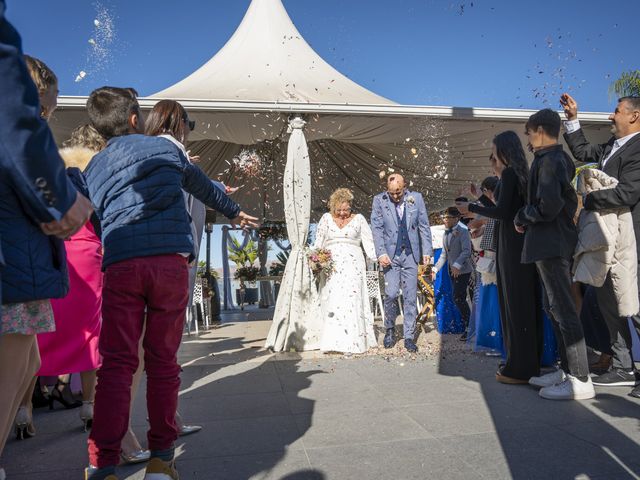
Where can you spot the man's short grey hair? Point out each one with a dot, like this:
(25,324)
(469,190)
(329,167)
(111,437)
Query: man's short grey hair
(633,101)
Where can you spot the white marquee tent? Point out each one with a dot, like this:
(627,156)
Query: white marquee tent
(266,91)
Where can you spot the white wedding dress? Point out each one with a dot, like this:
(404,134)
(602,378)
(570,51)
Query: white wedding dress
(347,320)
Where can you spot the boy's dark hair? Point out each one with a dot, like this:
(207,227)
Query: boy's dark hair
(452,212)
(546,118)
(489,183)
(109,109)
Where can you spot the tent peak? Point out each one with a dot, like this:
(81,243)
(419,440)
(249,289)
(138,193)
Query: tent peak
(267,59)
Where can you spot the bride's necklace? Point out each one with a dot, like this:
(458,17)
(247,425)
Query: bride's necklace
(341,222)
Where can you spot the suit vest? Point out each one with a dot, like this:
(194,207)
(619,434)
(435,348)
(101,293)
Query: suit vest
(403,242)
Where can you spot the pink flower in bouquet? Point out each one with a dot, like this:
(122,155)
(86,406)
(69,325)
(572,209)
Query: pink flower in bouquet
(320,262)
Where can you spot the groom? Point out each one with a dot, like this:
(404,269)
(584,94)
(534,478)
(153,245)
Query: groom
(402,238)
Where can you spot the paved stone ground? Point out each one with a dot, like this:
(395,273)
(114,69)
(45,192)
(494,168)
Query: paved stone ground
(439,415)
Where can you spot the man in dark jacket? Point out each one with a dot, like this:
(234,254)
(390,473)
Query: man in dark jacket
(136,185)
(29,159)
(618,158)
(550,240)
(28,153)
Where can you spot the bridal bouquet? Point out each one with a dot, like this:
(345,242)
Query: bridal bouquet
(321,262)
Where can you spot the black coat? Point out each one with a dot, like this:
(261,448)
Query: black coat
(551,206)
(623,165)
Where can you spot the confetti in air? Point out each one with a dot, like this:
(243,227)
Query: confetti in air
(248,162)
(101,43)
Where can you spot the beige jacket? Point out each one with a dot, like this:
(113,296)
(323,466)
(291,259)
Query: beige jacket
(606,243)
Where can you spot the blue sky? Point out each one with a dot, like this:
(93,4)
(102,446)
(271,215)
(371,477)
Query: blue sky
(504,53)
(435,52)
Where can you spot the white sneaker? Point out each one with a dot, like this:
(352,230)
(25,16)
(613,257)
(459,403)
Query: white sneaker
(548,380)
(3,476)
(570,389)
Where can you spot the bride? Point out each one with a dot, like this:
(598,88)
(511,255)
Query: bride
(346,314)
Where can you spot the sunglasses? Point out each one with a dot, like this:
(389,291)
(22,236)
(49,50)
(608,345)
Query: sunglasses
(191,123)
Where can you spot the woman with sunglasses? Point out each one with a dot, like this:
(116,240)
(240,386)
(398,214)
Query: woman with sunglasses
(518,288)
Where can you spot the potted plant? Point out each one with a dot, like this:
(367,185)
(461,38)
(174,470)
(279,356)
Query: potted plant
(277,269)
(273,231)
(246,270)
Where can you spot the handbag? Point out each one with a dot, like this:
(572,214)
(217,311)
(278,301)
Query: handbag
(486,263)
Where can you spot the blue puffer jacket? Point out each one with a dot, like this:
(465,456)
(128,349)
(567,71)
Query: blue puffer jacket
(35,264)
(136,187)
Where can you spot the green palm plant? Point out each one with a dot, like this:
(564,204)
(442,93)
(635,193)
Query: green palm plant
(627,85)
(243,256)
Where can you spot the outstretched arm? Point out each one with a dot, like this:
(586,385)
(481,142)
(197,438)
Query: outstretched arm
(200,186)
(502,210)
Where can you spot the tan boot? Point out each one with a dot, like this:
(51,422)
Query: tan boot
(158,469)
(602,365)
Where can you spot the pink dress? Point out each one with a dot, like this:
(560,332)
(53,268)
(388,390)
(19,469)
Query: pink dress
(73,347)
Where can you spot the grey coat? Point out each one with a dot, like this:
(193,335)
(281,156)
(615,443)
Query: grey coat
(457,250)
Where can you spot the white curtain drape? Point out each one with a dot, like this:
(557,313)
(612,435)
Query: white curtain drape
(297,313)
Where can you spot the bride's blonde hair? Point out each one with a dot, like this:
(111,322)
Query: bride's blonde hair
(338,197)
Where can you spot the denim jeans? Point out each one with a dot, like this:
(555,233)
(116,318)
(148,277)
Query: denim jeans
(555,274)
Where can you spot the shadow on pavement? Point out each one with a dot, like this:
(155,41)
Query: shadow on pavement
(513,433)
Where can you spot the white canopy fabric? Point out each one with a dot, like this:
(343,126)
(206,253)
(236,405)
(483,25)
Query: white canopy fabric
(267,59)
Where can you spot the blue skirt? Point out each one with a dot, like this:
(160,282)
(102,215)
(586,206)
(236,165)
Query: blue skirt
(487,319)
(448,319)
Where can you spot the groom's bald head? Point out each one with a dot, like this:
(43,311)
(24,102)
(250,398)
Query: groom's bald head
(395,187)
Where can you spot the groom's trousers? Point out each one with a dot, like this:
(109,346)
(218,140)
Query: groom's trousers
(401,275)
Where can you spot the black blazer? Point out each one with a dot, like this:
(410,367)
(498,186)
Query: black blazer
(623,165)
(551,206)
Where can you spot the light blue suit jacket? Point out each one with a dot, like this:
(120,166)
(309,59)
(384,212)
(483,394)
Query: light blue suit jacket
(384,225)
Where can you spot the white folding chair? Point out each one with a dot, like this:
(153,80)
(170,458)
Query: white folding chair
(374,292)
(192,321)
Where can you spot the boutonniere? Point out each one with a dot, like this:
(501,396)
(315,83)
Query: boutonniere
(411,200)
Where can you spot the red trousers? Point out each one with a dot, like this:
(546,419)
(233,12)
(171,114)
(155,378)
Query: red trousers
(158,284)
